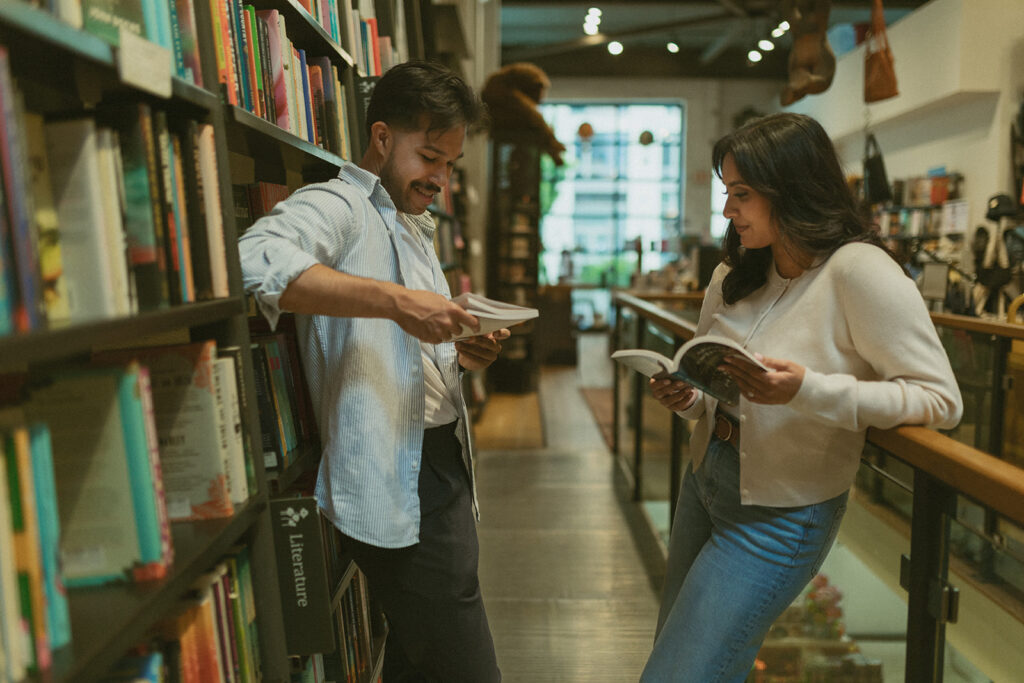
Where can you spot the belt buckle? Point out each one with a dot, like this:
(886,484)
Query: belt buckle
(719,419)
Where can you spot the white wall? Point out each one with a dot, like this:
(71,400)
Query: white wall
(710,108)
(960,69)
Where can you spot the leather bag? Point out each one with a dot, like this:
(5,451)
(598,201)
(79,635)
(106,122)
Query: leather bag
(879,72)
(876,183)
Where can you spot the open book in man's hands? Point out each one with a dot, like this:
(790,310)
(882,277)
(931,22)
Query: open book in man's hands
(493,315)
(696,363)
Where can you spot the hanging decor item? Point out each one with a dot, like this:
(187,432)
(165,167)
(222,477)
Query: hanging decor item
(879,72)
(876,183)
(812,63)
(646,138)
(585,131)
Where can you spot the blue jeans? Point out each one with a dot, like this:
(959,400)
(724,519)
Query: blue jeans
(732,570)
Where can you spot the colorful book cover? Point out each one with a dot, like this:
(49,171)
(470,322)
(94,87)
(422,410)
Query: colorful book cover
(156,568)
(14,632)
(209,180)
(307,97)
(106,18)
(331,130)
(239,46)
(157,18)
(166,194)
(226,387)
(176,50)
(73,154)
(184,405)
(239,630)
(143,231)
(316,91)
(27,556)
(58,618)
(225,70)
(279,390)
(26,296)
(256,67)
(207,650)
(184,241)
(195,209)
(252,71)
(263,58)
(51,265)
(374,41)
(299,112)
(275,453)
(91,439)
(108,159)
(186,15)
(242,398)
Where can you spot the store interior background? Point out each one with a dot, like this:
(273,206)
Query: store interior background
(960,65)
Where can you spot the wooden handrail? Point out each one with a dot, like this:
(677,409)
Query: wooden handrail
(953,321)
(987,479)
(657,315)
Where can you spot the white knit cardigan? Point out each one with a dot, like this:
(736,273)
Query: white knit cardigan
(862,331)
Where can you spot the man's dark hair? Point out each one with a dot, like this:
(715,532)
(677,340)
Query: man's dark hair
(415,93)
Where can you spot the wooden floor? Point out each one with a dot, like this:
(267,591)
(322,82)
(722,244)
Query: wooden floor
(568,592)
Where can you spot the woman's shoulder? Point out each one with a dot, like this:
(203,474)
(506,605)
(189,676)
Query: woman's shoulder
(860,257)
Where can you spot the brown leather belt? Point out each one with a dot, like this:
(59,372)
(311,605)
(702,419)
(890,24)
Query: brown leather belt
(727,430)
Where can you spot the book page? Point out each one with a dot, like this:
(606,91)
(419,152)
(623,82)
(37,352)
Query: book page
(701,360)
(493,315)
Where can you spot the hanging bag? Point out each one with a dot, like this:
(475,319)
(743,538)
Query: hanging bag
(876,183)
(879,73)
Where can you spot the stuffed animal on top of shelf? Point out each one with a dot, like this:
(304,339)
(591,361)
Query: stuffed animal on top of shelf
(512,94)
(812,64)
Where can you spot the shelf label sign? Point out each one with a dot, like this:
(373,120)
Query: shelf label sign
(144,65)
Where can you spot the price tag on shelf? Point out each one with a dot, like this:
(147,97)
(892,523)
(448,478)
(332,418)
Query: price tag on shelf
(144,65)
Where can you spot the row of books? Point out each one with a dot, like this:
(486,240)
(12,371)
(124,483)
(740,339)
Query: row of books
(170,24)
(213,637)
(255,200)
(105,215)
(287,420)
(260,70)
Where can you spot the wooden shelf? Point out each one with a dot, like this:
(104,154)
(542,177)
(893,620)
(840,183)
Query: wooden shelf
(43,26)
(108,620)
(306,456)
(264,138)
(72,340)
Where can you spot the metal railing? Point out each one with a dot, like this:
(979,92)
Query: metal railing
(944,470)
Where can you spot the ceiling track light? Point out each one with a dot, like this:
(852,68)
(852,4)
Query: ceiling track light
(754,56)
(615,47)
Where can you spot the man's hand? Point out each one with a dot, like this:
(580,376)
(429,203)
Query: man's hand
(431,317)
(476,353)
(674,394)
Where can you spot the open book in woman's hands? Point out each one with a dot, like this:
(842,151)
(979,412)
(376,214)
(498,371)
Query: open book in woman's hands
(493,315)
(696,363)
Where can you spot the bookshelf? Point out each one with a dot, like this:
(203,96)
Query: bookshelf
(513,251)
(61,70)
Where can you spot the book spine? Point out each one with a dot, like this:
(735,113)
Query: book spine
(210,182)
(307,100)
(184,242)
(195,209)
(28,312)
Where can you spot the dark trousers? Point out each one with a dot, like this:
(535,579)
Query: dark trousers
(430,591)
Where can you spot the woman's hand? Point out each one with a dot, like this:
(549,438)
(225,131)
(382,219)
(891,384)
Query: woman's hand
(476,353)
(770,388)
(674,394)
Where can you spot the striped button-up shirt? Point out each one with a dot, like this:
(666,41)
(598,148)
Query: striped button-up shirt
(365,374)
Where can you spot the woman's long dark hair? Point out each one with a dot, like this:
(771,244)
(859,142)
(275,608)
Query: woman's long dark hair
(789,159)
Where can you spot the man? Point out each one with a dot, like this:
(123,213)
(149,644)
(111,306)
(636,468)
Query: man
(354,259)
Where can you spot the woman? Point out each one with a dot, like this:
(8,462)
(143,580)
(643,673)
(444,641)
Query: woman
(808,287)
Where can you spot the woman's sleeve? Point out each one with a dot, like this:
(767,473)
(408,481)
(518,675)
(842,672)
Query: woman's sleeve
(892,331)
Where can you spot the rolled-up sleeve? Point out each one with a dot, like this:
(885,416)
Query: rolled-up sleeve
(308,228)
